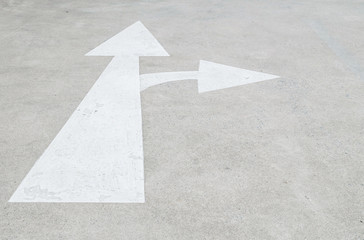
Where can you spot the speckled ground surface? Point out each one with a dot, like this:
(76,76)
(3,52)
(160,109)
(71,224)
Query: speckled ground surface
(280,159)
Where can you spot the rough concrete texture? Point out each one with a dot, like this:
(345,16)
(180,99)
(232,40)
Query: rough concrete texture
(280,159)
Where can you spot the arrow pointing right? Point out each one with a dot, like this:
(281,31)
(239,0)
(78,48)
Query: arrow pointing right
(215,76)
(211,76)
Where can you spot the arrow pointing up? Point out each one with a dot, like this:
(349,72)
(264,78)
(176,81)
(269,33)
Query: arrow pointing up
(98,154)
(135,40)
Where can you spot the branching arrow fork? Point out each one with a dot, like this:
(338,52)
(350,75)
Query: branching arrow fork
(98,154)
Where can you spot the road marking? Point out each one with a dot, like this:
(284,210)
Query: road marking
(135,40)
(152,79)
(215,76)
(211,76)
(98,154)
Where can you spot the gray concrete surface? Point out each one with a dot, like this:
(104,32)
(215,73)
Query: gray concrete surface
(281,159)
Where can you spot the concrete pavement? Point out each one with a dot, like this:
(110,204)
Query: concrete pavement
(279,159)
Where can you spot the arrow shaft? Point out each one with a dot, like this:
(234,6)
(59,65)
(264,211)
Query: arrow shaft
(98,154)
(152,79)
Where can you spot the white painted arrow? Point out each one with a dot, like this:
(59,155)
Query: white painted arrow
(98,154)
(214,76)
(211,76)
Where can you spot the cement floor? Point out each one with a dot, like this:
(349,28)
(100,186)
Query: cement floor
(279,159)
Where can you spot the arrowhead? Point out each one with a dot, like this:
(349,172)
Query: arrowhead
(214,76)
(135,40)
